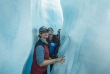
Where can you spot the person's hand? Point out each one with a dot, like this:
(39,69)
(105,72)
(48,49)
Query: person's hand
(61,59)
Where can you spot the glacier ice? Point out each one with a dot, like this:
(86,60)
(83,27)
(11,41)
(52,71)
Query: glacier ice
(85,37)
(20,21)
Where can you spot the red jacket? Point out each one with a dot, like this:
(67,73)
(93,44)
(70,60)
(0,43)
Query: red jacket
(35,68)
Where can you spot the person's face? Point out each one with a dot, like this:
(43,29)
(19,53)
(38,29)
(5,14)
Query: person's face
(50,31)
(44,35)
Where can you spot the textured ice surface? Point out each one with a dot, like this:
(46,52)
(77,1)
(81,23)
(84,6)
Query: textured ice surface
(19,24)
(85,37)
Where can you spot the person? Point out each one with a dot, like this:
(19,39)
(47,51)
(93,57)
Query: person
(58,35)
(53,45)
(41,54)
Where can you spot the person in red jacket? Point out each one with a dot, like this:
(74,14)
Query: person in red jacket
(41,54)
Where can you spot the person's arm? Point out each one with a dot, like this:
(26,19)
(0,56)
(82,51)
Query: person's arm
(52,61)
(40,57)
(40,52)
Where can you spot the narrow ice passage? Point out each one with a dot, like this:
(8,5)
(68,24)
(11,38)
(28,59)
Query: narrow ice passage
(85,37)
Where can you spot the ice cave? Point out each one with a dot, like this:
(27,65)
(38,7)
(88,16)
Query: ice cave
(85,37)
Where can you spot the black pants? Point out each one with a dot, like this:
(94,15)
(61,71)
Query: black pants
(45,72)
(51,66)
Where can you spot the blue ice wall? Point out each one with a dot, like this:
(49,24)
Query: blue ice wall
(43,13)
(47,13)
(85,37)
(15,35)
(19,24)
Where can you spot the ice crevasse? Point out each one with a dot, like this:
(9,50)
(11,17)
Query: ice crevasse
(85,37)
